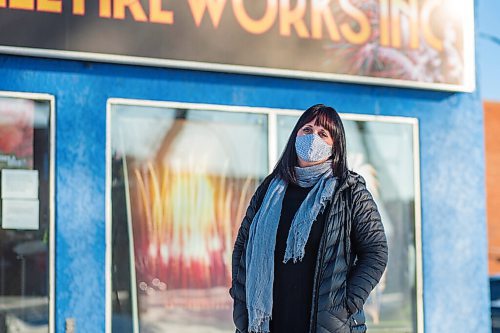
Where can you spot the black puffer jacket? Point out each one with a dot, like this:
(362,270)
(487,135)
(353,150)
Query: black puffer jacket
(352,257)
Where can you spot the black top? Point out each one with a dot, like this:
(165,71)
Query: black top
(293,282)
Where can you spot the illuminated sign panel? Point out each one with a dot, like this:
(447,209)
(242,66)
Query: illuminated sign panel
(417,43)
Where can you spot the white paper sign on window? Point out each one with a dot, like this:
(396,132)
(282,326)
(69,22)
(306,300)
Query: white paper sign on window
(19,184)
(20,214)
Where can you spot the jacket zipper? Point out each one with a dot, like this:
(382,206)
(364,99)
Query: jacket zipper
(317,277)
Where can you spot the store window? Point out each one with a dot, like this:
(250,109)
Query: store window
(181,177)
(26,230)
(384,152)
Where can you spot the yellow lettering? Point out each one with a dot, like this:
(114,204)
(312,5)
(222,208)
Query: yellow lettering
(78,7)
(361,36)
(134,7)
(320,12)
(105,8)
(255,26)
(409,8)
(51,6)
(384,23)
(429,36)
(293,17)
(199,7)
(22,4)
(157,15)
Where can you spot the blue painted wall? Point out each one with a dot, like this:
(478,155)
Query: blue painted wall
(452,172)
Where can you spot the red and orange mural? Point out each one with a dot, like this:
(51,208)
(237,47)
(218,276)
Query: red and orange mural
(184,226)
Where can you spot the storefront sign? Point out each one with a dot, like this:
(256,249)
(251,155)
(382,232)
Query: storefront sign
(417,43)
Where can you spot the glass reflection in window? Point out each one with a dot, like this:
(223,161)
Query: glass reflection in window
(382,152)
(181,182)
(25,214)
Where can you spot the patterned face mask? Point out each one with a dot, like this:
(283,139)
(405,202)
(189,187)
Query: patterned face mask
(311,148)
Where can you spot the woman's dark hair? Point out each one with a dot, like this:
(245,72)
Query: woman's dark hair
(327,117)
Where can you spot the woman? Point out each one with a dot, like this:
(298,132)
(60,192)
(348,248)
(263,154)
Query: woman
(311,246)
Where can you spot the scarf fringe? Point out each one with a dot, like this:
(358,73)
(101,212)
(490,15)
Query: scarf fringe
(260,319)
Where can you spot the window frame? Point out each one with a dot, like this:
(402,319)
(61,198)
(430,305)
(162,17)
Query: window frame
(273,155)
(43,97)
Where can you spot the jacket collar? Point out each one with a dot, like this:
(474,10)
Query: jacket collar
(350,180)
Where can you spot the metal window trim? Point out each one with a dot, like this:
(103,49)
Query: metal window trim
(108,223)
(419,290)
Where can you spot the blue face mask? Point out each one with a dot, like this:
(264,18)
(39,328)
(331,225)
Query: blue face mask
(311,148)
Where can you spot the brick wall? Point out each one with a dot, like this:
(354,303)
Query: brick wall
(492,138)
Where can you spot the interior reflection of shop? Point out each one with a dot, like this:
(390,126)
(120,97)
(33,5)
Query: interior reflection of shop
(25,250)
(186,204)
(181,188)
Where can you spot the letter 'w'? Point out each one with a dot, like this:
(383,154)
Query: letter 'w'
(215,9)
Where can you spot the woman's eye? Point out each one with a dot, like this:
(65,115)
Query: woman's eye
(307,129)
(323,134)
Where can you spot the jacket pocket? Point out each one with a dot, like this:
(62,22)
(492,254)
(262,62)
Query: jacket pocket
(334,321)
(340,314)
(357,322)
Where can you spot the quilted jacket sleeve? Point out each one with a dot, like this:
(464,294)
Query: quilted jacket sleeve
(370,246)
(241,238)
